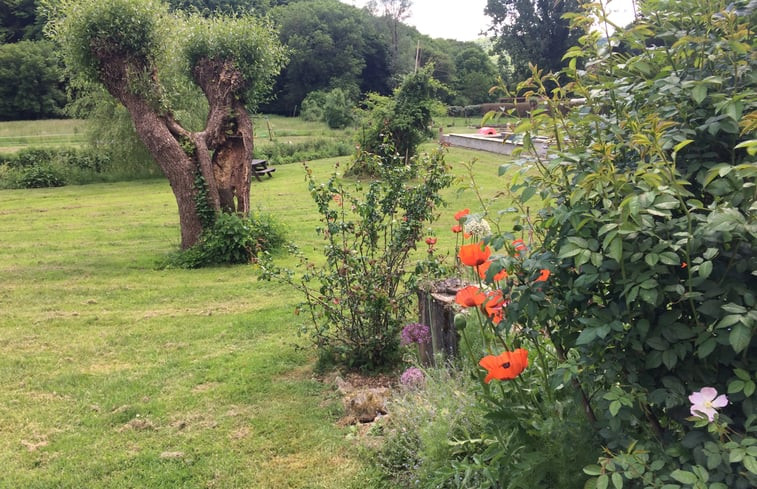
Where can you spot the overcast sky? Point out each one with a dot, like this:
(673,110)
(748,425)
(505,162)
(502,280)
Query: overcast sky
(464,19)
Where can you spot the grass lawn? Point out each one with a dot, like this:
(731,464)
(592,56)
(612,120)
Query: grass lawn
(16,135)
(115,374)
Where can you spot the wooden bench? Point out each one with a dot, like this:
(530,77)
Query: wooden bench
(260,167)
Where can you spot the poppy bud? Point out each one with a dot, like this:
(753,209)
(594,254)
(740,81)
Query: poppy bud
(461,322)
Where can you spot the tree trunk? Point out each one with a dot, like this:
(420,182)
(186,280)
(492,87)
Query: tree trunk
(228,131)
(223,151)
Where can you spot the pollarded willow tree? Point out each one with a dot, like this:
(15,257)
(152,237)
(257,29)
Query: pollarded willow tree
(126,45)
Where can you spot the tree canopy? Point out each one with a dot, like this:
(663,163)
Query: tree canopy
(124,45)
(531,31)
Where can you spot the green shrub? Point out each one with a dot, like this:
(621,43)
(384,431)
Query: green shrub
(356,301)
(425,423)
(404,118)
(231,240)
(39,176)
(647,237)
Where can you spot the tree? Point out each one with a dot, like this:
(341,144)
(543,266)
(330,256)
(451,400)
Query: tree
(19,21)
(122,45)
(395,11)
(531,31)
(31,79)
(332,45)
(475,75)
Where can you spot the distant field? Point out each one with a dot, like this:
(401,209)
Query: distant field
(16,135)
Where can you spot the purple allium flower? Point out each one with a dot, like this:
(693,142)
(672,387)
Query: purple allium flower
(412,377)
(706,402)
(415,333)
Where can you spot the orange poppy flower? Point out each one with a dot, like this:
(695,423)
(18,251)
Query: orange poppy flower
(457,229)
(430,241)
(461,214)
(519,245)
(474,254)
(543,276)
(494,306)
(505,366)
(470,296)
(483,268)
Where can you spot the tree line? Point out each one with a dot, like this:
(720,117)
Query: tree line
(331,45)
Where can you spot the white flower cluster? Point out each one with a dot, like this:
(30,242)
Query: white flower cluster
(477,227)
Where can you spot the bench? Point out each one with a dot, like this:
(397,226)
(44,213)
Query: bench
(260,167)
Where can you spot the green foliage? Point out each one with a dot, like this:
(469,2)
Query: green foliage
(332,45)
(19,21)
(231,240)
(53,167)
(251,44)
(129,29)
(280,153)
(531,31)
(333,107)
(355,302)
(475,74)
(31,81)
(403,119)
(648,229)
(423,436)
(39,176)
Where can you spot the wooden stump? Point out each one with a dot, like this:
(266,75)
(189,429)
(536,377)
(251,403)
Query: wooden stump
(435,304)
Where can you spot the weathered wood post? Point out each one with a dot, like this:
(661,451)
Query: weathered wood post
(435,305)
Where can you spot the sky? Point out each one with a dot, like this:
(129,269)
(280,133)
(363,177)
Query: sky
(464,19)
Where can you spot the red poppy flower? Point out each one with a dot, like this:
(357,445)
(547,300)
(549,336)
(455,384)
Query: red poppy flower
(505,366)
(483,268)
(470,296)
(430,241)
(461,214)
(457,229)
(543,276)
(474,254)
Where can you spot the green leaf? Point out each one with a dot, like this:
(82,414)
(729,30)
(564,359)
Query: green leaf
(603,481)
(735,386)
(699,93)
(749,388)
(683,476)
(705,269)
(614,408)
(734,308)
(615,251)
(740,338)
(592,470)
(587,336)
(617,480)
(750,463)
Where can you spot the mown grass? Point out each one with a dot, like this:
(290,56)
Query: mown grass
(114,373)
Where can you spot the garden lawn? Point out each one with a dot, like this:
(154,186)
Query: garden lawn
(16,135)
(114,373)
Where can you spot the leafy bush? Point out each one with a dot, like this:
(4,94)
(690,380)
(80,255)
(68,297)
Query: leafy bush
(418,448)
(640,268)
(403,119)
(39,176)
(355,301)
(231,240)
